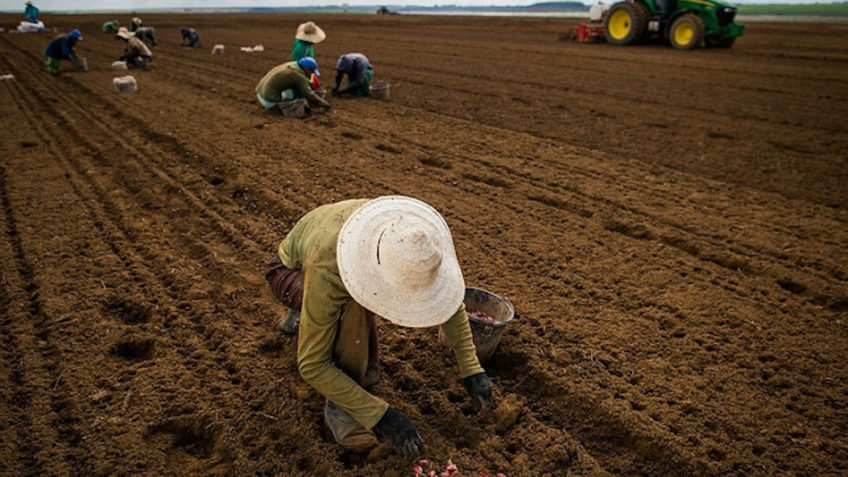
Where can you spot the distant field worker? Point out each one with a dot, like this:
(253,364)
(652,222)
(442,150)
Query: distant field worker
(31,12)
(344,267)
(61,48)
(189,37)
(359,73)
(289,81)
(135,24)
(136,53)
(304,40)
(111,27)
(147,35)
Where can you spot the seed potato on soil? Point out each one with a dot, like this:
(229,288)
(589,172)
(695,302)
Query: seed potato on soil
(670,227)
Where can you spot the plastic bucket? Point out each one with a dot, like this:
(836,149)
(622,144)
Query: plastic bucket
(119,65)
(487,333)
(380,91)
(80,65)
(218,50)
(295,108)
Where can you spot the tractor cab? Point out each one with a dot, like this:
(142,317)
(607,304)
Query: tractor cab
(686,24)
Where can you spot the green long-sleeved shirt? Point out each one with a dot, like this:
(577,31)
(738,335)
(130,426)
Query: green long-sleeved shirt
(287,76)
(311,247)
(302,48)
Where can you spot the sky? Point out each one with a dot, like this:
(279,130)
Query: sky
(127,5)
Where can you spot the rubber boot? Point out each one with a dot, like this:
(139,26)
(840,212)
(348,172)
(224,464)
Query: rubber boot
(288,323)
(347,432)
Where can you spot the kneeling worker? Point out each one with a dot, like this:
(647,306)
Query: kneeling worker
(136,53)
(189,37)
(289,81)
(341,267)
(359,73)
(61,48)
(147,35)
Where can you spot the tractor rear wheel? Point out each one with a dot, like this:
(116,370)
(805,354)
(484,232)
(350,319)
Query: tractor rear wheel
(687,32)
(626,23)
(720,42)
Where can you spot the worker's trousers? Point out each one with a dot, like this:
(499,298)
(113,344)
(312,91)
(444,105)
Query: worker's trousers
(355,351)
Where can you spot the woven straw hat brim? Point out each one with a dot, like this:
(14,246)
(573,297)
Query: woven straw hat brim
(384,295)
(316,36)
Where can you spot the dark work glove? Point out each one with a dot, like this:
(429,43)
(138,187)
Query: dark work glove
(397,429)
(479,387)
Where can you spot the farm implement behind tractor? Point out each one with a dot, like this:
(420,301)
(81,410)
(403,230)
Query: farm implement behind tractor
(686,24)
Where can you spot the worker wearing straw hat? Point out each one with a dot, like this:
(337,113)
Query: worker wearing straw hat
(136,53)
(343,265)
(306,36)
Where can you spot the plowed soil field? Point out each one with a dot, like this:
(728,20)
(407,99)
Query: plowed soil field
(670,226)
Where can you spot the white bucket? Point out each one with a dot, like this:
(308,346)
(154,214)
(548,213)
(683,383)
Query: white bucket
(80,65)
(295,108)
(380,91)
(125,84)
(119,66)
(218,50)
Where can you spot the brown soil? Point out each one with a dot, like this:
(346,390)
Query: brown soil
(670,226)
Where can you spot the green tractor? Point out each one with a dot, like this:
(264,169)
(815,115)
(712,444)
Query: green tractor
(687,24)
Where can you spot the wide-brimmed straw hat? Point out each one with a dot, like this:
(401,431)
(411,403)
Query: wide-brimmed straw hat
(396,258)
(124,33)
(310,32)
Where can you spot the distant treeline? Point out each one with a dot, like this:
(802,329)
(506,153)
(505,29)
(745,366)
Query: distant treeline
(542,6)
(822,9)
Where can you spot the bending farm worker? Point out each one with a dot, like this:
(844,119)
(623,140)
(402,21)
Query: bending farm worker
(136,53)
(111,27)
(31,12)
(189,37)
(341,267)
(306,36)
(135,24)
(147,35)
(61,48)
(289,81)
(359,73)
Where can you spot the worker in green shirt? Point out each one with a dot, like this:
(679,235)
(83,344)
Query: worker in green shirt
(289,81)
(306,36)
(111,27)
(342,266)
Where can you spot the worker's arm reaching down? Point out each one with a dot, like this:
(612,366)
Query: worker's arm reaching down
(323,298)
(306,91)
